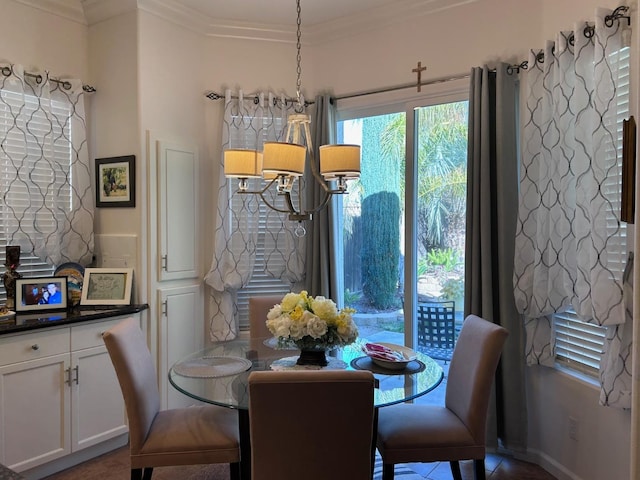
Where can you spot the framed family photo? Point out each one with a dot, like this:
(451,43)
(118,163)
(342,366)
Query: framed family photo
(107,286)
(41,293)
(116,181)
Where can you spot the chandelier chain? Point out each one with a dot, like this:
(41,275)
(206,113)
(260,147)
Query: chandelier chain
(298,57)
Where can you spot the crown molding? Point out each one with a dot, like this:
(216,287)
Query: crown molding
(374,18)
(377,18)
(94,11)
(69,9)
(97,11)
(209,26)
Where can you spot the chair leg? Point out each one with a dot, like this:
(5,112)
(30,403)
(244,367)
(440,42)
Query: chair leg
(147,473)
(388,471)
(234,471)
(478,466)
(136,474)
(455,470)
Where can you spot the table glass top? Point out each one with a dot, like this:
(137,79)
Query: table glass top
(219,374)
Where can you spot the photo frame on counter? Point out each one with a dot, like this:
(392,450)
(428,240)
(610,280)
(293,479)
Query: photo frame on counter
(116,181)
(41,293)
(107,286)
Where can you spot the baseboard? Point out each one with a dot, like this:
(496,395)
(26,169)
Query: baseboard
(76,458)
(550,465)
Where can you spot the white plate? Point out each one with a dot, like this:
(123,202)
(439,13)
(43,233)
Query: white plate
(212,367)
(406,352)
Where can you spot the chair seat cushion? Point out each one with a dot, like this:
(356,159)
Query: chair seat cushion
(424,433)
(189,436)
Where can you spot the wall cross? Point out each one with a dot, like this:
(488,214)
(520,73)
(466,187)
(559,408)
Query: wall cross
(419,69)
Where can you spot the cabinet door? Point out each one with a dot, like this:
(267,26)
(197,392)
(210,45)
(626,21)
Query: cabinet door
(96,399)
(181,333)
(34,412)
(177,211)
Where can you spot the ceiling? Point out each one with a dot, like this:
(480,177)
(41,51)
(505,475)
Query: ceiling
(281,12)
(272,20)
(275,20)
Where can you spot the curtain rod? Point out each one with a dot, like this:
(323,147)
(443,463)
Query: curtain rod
(400,87)
(6,71)
(511,69)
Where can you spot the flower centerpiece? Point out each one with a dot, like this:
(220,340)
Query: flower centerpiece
(314,325)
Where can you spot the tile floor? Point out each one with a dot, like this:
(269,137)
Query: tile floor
(115,466)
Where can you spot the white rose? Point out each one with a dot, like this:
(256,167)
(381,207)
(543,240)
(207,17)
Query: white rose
(297,330)
(290,301)
(316,327)
(275,312)
(324,308)
(348,332)
(281,326)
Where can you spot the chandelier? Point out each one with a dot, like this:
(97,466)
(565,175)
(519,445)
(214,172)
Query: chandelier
(281,163)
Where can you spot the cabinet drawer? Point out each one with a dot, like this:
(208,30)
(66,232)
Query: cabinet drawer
(87,336)
(20,348)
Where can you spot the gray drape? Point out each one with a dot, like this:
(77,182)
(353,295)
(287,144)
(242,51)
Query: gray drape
(492,208)
(322,240)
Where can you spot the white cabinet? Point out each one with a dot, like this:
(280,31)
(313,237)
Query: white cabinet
(98,411)
(181,333)
(177,189)
(58,394)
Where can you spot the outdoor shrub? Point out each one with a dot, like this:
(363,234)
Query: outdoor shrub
(381,248)
(445,257)
(453,289)
(351,298)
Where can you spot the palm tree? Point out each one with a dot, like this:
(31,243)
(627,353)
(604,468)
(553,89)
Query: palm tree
(442,150)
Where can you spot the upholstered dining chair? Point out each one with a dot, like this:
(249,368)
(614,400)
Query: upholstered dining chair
(258,309)
(311,424)
(157,438)
(456,430)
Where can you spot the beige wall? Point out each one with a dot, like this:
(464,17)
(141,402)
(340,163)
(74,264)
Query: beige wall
(34,38)
(151,76)
(447,43)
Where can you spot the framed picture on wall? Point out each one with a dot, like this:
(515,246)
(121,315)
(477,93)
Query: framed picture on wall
(116,181)
(107,286)
(41,293)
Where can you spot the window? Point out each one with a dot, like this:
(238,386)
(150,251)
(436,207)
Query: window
(41,160)
(261,283)
(578,344)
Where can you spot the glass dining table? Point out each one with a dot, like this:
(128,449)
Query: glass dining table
(219,375)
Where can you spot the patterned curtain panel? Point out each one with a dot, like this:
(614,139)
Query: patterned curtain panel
(570,244)
(47,204)
(615,366)
(248,123)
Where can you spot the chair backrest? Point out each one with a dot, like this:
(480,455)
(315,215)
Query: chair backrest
(311,424)
(258,309)
(136,374)
(471,373)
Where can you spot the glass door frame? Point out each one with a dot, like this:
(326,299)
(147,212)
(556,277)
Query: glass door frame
(409,103)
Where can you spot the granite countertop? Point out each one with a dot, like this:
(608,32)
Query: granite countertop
(25,322)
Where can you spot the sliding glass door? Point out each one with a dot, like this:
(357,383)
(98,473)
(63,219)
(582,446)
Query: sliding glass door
(403,220)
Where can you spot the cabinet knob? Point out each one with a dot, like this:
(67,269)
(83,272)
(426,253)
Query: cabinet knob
(35,346)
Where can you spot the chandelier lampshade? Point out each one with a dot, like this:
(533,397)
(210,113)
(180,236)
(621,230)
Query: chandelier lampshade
(284,158)
(242,163)
(340,161)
